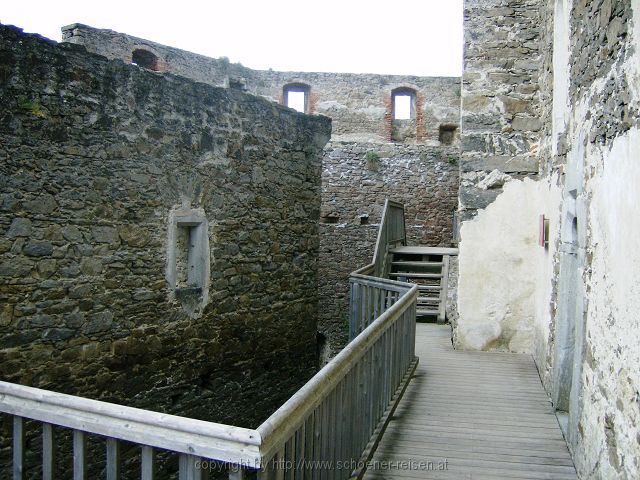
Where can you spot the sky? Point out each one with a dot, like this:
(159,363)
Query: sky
(403,37)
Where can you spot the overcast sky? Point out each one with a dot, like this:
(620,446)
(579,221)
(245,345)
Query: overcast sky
(412,37)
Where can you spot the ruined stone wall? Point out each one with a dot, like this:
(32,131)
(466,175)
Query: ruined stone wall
(99,162)
(420,171)
(357,177)
(358,104)
(500,108)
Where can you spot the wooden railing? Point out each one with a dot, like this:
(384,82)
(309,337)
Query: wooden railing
(337,418)
(392,233)
(370,296)
(327,430)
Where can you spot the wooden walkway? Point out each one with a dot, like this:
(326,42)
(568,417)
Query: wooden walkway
(485,414)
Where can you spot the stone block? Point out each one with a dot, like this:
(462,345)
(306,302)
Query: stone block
(38,248)
(20,227)
(503,163)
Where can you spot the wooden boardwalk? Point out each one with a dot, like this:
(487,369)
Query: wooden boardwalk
(485,414)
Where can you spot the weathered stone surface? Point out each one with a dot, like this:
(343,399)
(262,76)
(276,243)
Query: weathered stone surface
(99,322)
(37,248)
(500,123)
(105,235)
(503,163)
(354,189)
(474,198)
(572,80)
(526,124)
(20,227)
(494,179)
(361,111)
(358,104)
(84,235)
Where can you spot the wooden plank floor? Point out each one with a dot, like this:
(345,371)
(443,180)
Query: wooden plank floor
(485,414)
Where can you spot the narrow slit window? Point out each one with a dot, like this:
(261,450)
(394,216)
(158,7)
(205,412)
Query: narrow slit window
(186,268)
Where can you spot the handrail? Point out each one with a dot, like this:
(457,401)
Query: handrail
(332,418)
(391,232)
(289,416)
(179,434)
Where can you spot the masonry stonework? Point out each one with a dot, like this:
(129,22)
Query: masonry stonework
(97,158)
(357,178)
(575,299)
(413,161)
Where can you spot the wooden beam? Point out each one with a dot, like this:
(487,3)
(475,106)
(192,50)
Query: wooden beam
(179,434)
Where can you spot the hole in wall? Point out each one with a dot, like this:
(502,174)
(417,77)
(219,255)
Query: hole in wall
(446,134)
(295,100)
(145,59)
(402,107)
(186,271)
(296,96)
(329,219)
(403,101)
(323,352)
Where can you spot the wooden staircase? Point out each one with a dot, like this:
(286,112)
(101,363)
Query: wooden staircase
(428,267)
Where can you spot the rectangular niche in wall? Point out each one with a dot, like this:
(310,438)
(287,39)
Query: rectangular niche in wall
(188,255)
(187,269)
(447,134)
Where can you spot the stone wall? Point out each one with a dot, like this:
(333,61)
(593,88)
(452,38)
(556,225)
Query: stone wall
(358,104)
(598,304)
(500,135)
(500,112)
(581,293)
(103,167)
(357,177)
(421,170)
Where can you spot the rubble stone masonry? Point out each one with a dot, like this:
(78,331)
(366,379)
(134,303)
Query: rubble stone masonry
(414,161)
(112,177)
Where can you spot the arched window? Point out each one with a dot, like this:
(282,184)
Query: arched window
(403,102)
(145,59)
(296,96)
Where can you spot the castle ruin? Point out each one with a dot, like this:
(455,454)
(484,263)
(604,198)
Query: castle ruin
(175,238)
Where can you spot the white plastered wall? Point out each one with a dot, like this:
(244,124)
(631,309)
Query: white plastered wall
(504,272)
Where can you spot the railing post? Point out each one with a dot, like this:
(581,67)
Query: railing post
(444,280)
(79,455)
(48,451)
(113,459)
(18,447)
(147,463)
(353,309)
(188,470)
(236,472)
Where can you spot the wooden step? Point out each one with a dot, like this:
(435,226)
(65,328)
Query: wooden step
(415,275)
(428,299)
(428,305)
(415,250)
(424,312)
(429,288)
(417,264)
